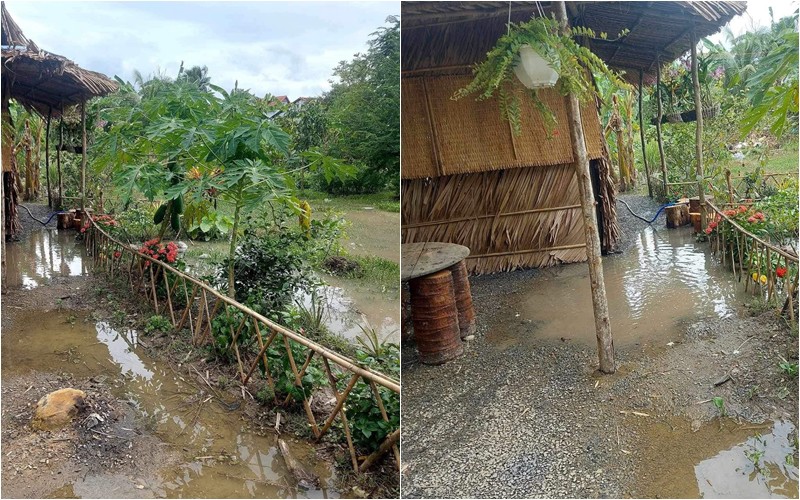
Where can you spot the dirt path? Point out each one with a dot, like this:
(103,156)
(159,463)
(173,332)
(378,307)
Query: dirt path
(523,414)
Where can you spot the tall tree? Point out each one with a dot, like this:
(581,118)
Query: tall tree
(364,107)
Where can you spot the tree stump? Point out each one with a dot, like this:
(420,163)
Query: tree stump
(463,294)
(677,216)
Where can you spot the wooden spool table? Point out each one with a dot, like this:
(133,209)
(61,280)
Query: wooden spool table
(441,301)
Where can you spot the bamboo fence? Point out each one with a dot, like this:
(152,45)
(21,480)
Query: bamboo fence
(202,304)
(748,256)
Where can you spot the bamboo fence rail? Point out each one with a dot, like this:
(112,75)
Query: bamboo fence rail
(169,290)
(748,256)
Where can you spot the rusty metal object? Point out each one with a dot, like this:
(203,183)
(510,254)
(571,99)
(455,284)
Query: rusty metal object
(435,317)
(463,294)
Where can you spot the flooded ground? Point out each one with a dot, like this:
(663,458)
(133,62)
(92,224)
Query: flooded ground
(43,255)
(719,459)
(524,414)
(664,281)
(219,455)
(209,447)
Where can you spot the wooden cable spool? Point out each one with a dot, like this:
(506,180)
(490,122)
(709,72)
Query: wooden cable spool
(435,317)
(466,313)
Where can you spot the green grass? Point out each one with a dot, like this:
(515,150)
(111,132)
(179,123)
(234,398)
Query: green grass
(378,271)
(783,160)
(386,201)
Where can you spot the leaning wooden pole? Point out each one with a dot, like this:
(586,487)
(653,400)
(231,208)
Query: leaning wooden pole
(658,126)
(83,156)
(605,343)
(641,134)
(698,106)
(47,156)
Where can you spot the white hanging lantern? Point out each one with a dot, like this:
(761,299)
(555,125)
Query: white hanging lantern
(533,70)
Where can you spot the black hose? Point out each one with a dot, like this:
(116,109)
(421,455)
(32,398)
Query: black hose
(37,220)
(660,209)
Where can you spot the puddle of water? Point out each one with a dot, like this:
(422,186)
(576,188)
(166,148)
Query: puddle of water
(221,457)
(43,255)
(349,306)
(662,281)
(720,460)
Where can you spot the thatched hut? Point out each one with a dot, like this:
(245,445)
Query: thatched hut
(44,83)
(467,179)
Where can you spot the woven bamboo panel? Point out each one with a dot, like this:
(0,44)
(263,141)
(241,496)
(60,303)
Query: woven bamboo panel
(526,210)
(416,155)
(471,136)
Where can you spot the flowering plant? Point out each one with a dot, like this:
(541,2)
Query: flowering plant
(157,250)
(104,220)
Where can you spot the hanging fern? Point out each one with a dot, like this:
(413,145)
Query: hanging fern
(495,75)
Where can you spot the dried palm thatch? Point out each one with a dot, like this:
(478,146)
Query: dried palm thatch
(442,136)
(516,218)
(41,80)
(453,35)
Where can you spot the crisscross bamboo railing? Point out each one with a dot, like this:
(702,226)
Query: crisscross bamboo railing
(746,253)
(202,305)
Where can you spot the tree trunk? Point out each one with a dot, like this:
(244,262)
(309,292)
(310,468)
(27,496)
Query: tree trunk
(658,126)
(232,253)
(58,160)
(83,156)
(641,135)
(47,157)
(605,343)
(698,105)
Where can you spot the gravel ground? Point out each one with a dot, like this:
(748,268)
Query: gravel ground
(536,420)
(41,212)
(629,224)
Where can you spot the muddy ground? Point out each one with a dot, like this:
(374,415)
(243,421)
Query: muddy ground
(125,456)
(529,416)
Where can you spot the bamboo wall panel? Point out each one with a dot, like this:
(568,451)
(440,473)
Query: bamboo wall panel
(509,219)
(417,147)
(468,136)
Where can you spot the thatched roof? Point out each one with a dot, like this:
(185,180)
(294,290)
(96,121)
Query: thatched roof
(656,29)
(40,80)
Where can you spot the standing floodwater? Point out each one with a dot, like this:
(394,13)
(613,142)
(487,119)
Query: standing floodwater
(200,441)
(663,281)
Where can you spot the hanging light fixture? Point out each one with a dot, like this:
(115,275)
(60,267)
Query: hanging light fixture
(533,70)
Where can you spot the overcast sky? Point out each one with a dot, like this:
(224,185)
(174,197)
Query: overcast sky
(757,15)
(284,48)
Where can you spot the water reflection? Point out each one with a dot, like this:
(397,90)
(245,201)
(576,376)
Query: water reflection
(43,255)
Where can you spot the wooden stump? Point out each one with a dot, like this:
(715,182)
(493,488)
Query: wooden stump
(435,317)
(466,313)
(677,216)
(695,218)
(694,205)
(65,220)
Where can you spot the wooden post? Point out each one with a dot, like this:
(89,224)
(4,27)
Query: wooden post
(729,184)
(83,156)
(47,156)
(658,125)
(58,157)
(641,135)
(698,106)
(605,343)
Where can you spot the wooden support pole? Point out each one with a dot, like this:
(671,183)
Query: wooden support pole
(658,126)
(58,157)
(605,343)
(83,156)
(387,445)
(641,134)
(47,156)
(698,106)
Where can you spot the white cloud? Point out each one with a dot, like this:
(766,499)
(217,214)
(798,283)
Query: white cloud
(286,48)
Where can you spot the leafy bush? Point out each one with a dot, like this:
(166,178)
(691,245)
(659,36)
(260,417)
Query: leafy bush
(157,323)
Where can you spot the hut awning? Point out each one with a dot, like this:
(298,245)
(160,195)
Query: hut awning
(40,80)
(661,29)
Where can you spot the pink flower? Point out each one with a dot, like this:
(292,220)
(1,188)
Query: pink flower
(751,219)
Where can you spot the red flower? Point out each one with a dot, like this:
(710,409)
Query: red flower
(759,216)
(751,219)
(709,229)
(742,209)
(117,254)
(781,272)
